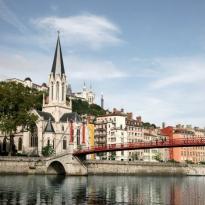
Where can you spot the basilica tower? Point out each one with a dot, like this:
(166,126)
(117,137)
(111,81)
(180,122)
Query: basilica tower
(57,104)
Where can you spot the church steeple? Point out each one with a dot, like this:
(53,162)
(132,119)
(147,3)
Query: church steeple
(57,103)
(58,66)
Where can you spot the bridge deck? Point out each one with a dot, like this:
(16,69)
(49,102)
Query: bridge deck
(178,142)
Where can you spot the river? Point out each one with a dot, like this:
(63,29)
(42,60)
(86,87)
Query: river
(98,190)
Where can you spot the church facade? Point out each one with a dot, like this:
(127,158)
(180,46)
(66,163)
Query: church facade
(57,126)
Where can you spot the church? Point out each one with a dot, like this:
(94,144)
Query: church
(57,126)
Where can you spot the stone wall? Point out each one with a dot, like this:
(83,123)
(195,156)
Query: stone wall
(22,165)
(142,168)
(73,166)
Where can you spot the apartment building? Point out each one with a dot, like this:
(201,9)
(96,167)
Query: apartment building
(110,129)
(184,154)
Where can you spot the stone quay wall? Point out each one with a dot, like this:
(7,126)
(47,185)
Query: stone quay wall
(143,168)
(22,165)
(36,165)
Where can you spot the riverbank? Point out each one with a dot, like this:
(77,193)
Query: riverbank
(39,165)
(143,168)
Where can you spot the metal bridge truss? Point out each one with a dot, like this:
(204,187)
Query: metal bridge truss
(178,142)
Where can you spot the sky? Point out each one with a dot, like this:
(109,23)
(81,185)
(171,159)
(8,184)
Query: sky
(147,57)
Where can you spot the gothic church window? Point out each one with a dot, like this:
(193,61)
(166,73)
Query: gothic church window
(57,91)
(52,90)
(64,143)
(34,137)
(20,142)
(62,91)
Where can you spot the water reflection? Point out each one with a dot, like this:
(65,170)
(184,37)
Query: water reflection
(101,190)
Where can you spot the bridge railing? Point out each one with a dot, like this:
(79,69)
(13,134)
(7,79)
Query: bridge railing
(158,143)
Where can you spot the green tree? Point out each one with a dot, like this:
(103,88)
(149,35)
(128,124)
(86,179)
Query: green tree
(48,151)
(158,157)
(16,102)
(82,107)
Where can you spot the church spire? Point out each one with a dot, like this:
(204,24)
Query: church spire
(58,66)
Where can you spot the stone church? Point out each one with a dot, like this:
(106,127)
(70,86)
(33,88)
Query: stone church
(57,125)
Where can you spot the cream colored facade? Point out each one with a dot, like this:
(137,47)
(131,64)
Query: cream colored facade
(110,130)
(28,82)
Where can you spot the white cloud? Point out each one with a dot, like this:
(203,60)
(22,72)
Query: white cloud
(92,69)
(94,31)
(176,71)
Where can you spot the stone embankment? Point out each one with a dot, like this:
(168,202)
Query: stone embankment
(143,168)
(37,165)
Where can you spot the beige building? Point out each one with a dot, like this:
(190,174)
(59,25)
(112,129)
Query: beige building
(86,95)
(28,82)
(110,129)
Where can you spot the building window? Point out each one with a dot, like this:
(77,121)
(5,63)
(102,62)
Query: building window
(52,90)
(34,137)
(63,91)
(62,127)
(20,142)
(57,91)
(64,143)
(4,145)
(53,144)
(48,142)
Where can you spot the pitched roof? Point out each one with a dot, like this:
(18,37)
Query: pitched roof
(71,116)
(58,66)
(49,127)
(46,115)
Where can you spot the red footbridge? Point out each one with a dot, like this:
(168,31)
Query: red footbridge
(178,142)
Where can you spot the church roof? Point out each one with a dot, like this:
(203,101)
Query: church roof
(70,116)
(58,66)
(46,115)
(49,127)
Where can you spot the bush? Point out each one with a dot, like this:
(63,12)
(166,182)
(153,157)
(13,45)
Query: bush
(48,151)
(172,161)
(189,161)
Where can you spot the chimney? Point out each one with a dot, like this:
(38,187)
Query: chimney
(114,110)
(122,110)
(163,125)
(129,116)
(139,119)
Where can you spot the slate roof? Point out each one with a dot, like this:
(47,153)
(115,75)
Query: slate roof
(58,66)
(46,115)
(49,127)
(71,116)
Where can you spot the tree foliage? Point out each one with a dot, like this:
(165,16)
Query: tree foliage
(48,151)
(149,125)
(16,102)
(82,107)
(158,157)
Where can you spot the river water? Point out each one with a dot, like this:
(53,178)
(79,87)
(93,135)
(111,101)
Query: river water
(98,190)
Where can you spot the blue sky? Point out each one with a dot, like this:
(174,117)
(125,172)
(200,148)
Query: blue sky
(147,57)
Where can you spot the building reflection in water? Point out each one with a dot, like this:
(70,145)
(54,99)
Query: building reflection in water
(101,190)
